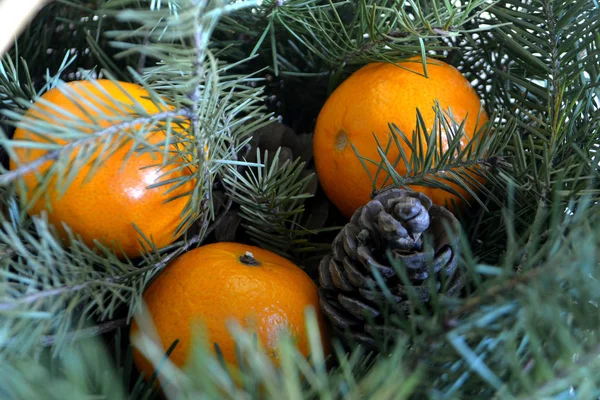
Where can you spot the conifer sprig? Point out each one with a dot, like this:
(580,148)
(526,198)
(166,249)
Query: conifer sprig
(472,347)
(271,199)
(66,284)
(337,34)
(527,327)
(40,280)
(443,157)
(541,66)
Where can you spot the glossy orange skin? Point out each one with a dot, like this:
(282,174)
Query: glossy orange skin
(209,286)
(364,104)
(106,206)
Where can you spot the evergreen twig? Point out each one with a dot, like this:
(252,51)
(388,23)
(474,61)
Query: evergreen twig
(10,176)
(87,333)
(528,326)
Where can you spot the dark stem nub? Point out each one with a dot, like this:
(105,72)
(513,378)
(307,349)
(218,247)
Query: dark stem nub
(249,260)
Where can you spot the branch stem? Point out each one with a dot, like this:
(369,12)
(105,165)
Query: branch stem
(86,333)
(10,176)
(34,297)
(418,178)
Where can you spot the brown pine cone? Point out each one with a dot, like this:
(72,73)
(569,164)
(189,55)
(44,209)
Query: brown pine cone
(408,226)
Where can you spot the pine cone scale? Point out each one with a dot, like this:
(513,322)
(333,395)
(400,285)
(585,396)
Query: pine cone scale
(381,331)
(357,308)
(375,296)
(413,261)
(349,240)
(456,287)
(325,281)
(444,260)
(370,212)
(353,274)
(338,277)
(337,247)
(367,259)
(341,318)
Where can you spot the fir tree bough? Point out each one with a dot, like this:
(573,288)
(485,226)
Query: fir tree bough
(527,324)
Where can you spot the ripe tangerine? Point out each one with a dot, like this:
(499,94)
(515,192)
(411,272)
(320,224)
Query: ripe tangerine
(215,283)
(106,205)
(365,103)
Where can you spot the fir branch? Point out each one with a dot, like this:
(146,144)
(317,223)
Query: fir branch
(584,365)
(10,176)
(82,370)
(85,370)
(439,173)
(13,89)
(458,162)
(538,70)
(501,349)
(42,282)
(35,297)
(200,44)
(222,109)
(114,279)
(501,335)
(299,377)
(552,70)
(539,218)
(271,200)
(87,333)
(88,292)
(353,33)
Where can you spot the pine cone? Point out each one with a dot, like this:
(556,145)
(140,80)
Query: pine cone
(399,221)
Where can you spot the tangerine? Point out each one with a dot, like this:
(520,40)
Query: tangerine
(104,206)
(365,103)
(215,283)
